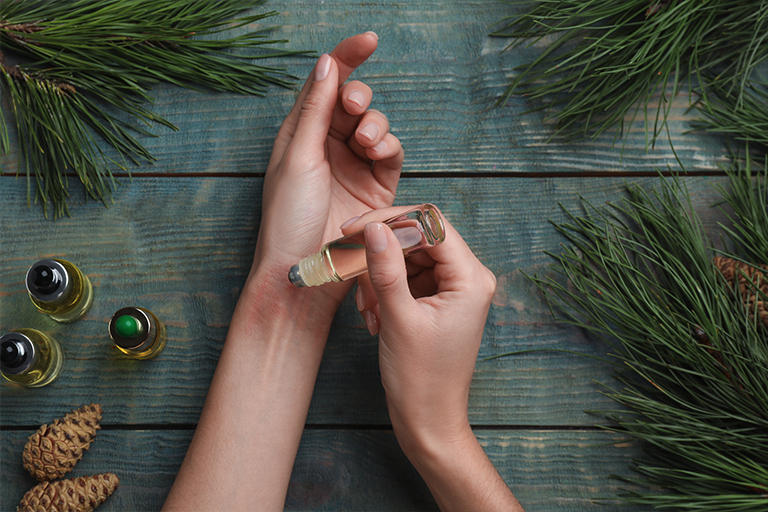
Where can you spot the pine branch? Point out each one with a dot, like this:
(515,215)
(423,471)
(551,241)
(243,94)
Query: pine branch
(691,355)
(742,114)
(606,61)
(749,199)
(80,55)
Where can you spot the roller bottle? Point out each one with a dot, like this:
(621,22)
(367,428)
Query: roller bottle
(344,258)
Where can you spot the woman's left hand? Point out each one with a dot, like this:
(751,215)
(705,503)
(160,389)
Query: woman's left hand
(333,160)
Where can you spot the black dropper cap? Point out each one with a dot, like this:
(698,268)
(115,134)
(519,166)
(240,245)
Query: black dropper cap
(47,280)
(44,278)
(16,353)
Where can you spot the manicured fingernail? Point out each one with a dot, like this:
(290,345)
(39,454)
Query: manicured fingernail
(371,323)
(323,67)
(359,299)
(380,147)
(369,131)
(357,98)
(374,34)
(375,237)
(349,222)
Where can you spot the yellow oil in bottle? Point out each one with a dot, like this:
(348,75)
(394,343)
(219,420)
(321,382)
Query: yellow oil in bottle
(137,332)
(70,299)
(30,358)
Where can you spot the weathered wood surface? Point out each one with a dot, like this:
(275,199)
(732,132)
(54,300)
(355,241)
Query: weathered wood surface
(179,240)
(357,470)
(182,248)
(436,74)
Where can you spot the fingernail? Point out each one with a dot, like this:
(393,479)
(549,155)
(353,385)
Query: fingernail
(380,147)
(370,131)
(374,34)
(349,222)
(375,237)
(357,98)
(359,299)
(323,67)
(371,323)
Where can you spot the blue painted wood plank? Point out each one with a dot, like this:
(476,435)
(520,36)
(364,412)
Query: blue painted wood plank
(437,75)
(354,470)
(182,248)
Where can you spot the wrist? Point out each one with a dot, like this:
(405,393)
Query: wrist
(426,442)
(269,295)
(458,472)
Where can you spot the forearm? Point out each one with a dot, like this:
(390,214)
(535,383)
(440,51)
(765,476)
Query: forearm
(243,449)
(459,473)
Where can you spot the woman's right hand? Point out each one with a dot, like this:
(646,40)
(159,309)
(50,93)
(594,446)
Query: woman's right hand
(430,313)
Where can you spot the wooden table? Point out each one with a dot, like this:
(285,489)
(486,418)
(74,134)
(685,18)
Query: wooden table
(180,236)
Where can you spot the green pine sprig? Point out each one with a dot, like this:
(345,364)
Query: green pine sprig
(691,357)
(606,63)
(740,113)
(748,199)
(86,68)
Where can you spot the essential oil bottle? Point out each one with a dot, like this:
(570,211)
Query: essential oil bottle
(344,258)
(137,332)
(59,289)
(30,358)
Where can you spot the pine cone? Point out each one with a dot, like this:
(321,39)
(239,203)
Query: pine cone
(54,449)
(81,494)
(749,277)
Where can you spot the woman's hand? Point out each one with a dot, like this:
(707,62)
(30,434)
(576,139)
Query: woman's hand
(333,159)
(430,313)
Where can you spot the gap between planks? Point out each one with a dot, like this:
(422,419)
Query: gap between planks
(322,426)
(437,174)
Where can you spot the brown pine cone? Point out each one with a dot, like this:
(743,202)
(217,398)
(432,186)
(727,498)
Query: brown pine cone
(54,449)
(81,494)
(731,269)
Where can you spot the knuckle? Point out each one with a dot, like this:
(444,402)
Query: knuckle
(384,282)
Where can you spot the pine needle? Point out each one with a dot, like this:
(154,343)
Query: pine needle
(691,358)
(83,59)
(607,62)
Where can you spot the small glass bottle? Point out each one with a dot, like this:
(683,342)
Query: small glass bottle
(137,332)
(30,358)
(344,258)
(58,289)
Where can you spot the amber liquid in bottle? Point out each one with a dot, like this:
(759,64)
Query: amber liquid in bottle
(46,362)
(74,303)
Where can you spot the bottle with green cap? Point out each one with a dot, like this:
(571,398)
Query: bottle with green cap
(59,289)
(30,358)
(137,332)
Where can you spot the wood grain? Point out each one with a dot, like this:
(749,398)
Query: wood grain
(436,74)
(359,470)
(182,248)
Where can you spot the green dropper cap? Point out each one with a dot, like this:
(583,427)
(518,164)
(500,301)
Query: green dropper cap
(128,326)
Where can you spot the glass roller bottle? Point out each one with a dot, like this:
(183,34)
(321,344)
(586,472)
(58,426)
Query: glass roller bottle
(344,258)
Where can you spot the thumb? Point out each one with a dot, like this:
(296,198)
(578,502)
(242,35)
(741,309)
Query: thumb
(386,270)
(317,108)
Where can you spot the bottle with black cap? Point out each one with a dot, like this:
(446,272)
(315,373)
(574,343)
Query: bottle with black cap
(137,332)
(30,358)
(58,289)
